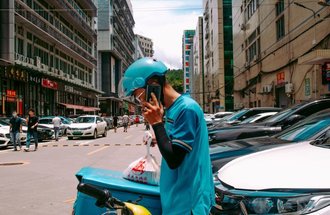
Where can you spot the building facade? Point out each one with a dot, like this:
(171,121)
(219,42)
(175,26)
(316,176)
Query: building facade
(197,68)
(187,46)
(218,55)
(139,52)
(281,51)
(147,45)
(116,50)
(48,57)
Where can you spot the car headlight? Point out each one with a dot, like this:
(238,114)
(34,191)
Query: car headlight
(287,205)
(2,135)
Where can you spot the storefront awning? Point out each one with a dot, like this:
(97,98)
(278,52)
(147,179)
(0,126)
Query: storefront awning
(319,56)
(80,107)
(110,98)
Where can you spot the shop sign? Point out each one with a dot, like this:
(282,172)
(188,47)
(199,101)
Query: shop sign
(16,74)
(11,93)
(11,99)
(280,78)
(71,89)
(35,79)
(49,84)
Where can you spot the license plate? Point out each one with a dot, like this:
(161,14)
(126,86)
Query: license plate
(77,133)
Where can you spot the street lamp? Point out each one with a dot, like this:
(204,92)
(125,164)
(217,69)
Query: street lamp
(314,40)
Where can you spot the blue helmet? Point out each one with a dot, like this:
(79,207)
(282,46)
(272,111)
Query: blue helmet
(138,73)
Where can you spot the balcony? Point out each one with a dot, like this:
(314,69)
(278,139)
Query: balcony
(52,31)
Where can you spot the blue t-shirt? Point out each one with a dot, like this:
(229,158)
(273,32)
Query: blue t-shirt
(188,188)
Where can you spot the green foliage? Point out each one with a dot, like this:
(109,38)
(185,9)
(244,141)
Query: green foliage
(175,78)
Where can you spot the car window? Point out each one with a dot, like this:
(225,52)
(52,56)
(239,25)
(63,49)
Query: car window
(250,119)
(85,120)
(283,114)
(306,129)
(237,115)
(314,108)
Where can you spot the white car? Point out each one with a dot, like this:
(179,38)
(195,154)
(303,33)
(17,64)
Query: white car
(258,118)
(218,116)
(5,137)
(87,126)
(292,179)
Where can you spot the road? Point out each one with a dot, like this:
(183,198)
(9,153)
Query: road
(45,182)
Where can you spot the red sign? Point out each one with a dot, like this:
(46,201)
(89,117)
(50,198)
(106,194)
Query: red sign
(280,78)
(11,93)
(49,84)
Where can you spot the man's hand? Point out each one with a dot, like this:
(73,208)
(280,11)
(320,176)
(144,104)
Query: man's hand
(153,111)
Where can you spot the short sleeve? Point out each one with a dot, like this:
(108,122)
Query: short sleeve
(184,130)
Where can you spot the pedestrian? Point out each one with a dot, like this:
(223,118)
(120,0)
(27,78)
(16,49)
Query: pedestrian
(32,122)
(115,123)
(57,124)
(15,130)
(126,120)
(147,125)
(137,120)
(186,183)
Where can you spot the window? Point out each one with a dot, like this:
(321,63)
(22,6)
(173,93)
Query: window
(279,7)
(280,28)
(250,8)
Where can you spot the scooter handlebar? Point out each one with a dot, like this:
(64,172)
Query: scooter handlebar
(101,195)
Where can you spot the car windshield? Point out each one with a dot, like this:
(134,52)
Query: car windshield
(306,130)
(85,120)
(283,114)
(252,118)
(3,122)
(237,115)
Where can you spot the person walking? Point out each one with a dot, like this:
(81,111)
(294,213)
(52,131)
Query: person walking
(137,120)
(15,130)
(32,121)
(125,122)
(115,123)
(57,124)
(147,125)
(186,182)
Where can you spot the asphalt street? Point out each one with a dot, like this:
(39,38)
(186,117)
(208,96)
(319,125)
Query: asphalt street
(44,182)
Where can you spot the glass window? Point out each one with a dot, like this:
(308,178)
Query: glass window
(280,28)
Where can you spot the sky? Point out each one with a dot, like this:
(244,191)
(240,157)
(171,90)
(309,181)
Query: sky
(164,22)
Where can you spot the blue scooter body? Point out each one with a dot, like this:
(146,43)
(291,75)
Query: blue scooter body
(119,187)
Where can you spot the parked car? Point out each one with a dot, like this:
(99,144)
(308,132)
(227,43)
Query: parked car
(292,179)
(271,125)
(243,114)
(109,122)
(48,122)
(258,118)
(220,115)
(87,126)
(312,128)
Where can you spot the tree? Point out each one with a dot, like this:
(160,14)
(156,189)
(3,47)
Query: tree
(175,78)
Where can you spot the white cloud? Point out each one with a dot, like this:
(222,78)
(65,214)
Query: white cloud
(164,22)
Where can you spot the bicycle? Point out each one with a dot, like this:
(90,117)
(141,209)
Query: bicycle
(104,199)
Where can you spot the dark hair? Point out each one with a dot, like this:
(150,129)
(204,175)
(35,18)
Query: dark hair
(32,110)
(56,114)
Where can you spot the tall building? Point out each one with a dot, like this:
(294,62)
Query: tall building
(116,51)
(146,45)
(187,44)
(48,57)
(281,51)
(197,66)
(218,55)
(139,52)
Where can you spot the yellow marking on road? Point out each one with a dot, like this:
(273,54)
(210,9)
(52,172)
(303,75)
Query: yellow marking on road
(127,137)
(70,201)
(97,150)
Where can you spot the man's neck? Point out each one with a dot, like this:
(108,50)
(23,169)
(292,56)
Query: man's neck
(170,95)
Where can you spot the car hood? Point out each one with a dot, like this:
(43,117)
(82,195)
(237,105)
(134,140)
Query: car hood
(296,166)
(81,125)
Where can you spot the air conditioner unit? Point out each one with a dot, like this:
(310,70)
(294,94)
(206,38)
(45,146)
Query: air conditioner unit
(267,88)
(38,61)
(289,88)
(32,61)
(243,27)
(61,73)
(52,70)
(72,76)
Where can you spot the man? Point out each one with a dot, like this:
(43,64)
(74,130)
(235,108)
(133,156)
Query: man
(15,130)
(125,122)
(32,122)
(115,122)
(57,124)
(186,183)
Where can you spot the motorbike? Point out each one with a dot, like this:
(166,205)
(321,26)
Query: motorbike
(105,199)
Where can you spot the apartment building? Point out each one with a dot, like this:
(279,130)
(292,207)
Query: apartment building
(116,50)
(146,45)
(187,44)
(48,57)
(196,66)
(281,52)
(218,54)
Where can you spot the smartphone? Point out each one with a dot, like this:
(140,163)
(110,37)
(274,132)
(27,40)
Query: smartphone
(156,89)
